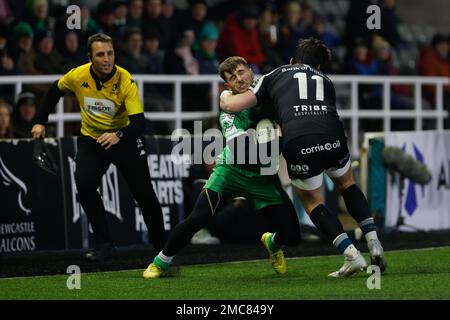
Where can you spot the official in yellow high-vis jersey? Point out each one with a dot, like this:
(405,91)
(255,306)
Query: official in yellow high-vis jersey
(112,123)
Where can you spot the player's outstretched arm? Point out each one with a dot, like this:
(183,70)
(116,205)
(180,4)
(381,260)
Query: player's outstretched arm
(51,99)
(230,102)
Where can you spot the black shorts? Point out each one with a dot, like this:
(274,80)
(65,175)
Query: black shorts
(307,157)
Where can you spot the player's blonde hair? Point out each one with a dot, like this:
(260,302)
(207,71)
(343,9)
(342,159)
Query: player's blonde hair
(230,64)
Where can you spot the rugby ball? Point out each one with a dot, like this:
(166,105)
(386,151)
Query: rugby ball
(266,130)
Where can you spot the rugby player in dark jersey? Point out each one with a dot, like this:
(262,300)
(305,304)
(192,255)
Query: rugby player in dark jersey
(303,102)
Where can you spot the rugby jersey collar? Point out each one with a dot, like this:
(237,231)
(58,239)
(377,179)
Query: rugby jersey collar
(100,82)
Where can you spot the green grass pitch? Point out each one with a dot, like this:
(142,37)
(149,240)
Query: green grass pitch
(411,274)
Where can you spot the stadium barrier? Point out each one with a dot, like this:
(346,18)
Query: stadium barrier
(41,211)
(346,86)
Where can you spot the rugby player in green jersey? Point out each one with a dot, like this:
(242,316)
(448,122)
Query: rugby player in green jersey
(230,178)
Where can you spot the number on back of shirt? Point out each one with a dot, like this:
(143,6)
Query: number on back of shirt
(303,86)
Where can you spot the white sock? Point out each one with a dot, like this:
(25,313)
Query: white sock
(372,235)
(351,252)
(164,258)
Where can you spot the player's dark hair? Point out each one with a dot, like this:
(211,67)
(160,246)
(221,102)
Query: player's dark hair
(312,52)
(101,37)
(230,64)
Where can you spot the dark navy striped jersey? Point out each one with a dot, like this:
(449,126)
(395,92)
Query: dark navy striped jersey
(302,100)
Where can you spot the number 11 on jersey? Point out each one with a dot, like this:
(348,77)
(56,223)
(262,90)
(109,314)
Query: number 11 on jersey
(303,86)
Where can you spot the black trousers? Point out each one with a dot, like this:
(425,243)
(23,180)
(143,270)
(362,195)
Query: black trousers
(129,156)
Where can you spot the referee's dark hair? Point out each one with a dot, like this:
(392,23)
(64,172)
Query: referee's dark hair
(98,37)
(312,52)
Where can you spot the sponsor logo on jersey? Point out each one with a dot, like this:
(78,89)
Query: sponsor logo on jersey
(299,168)
(310,110)
(321,147)
(227,122)
(98,106)
(114,90)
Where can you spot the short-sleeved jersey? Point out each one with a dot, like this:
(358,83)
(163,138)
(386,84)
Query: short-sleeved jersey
(105,106)
(234,180)
(304,100)
(234,125)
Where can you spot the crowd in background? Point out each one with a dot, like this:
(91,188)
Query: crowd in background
(156,37)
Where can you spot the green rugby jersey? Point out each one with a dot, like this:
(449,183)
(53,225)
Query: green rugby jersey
(234,125)
(235,180)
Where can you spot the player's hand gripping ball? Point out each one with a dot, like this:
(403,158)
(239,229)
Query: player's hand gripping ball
(267,130)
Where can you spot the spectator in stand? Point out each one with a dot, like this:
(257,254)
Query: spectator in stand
(434,61)
(168,9)
(268,30)
(154,20)
(6,131)
(239,37)
(7,68)
(356,22)
(180,60)
(157,96)
(72,57)
(71,54)
(120,15)
(308,16)
(106,17)
(135,11)
(132,57)
(206,54)
(292,28)
(319,31)
(207,64)
(194,18)
(170,12)
(362,64)
(48,60)
(389,24)
(39,19)
(400,94)
(88,27)
(6,14)
(24,54)
(23,115)
(171,18)
(155,56)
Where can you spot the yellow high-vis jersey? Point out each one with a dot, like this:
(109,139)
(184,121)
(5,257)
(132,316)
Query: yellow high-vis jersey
(105,106)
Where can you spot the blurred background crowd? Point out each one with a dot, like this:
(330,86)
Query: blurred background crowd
(192,37)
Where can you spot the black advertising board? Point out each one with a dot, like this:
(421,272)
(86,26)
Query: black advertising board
(41,211)
(31,205)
